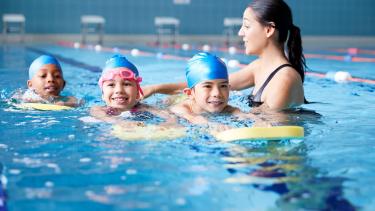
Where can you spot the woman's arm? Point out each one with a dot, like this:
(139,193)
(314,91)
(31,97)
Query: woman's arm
(243,78)
(170,89)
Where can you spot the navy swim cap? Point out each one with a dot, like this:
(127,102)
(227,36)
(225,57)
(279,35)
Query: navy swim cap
(40,61)
(117,61)
(205,66)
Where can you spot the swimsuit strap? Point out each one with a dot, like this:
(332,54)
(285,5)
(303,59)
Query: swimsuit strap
(257,96)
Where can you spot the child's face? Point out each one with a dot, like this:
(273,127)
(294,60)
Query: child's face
(211,95)
(120,93)
(48,81)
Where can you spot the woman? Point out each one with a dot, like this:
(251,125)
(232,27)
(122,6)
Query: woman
(277,78)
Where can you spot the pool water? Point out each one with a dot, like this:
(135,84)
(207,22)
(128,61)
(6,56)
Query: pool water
(54,161)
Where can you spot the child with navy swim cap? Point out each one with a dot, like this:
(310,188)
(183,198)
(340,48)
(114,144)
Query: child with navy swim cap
(45,83)
(208,89)
(121,92)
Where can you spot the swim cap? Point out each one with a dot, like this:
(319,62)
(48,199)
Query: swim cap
(118,65)
(119,61)
(40,61)
(205,66)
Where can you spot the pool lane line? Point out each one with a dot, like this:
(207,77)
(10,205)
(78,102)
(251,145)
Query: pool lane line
(352,79)
(66,60)
(348,58)
(174,57)
(340,58)
(124,51)
(360,51)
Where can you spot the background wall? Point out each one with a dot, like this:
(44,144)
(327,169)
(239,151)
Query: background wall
(315,17)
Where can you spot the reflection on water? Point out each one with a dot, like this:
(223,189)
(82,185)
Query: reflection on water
(283,168)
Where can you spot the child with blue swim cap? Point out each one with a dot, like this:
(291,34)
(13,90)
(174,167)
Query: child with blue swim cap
(208,89)
(46,82)
(121,92)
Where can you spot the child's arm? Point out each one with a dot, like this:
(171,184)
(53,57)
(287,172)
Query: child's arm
(100,113)
(72,102)
(29,96)
(258,122)
(170,119)
(109,115)
(170,89)
(183,110)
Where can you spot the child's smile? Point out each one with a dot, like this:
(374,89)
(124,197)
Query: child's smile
(211,96)
(120,93)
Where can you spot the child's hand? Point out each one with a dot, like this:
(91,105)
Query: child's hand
(148,91)
(72,102)
(60,103)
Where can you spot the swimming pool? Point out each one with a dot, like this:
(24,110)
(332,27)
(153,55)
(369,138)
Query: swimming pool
(55,161)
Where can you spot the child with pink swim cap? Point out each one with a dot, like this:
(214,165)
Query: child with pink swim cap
(121,93)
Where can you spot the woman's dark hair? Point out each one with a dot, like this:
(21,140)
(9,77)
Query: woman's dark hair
(278,12)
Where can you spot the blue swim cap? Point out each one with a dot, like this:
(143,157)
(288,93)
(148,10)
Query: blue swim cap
(117,61)
(205,66)
(40,61)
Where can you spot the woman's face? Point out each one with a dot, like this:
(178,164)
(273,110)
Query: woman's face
(253,33)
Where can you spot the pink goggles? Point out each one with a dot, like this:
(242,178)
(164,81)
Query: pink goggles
(123,73)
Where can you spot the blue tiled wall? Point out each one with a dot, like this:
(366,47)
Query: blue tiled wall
(315,17)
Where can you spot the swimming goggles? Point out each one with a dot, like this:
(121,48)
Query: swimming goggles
(123,73)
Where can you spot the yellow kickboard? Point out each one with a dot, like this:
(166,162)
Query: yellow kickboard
(42,106)
(150,133)
(269,133)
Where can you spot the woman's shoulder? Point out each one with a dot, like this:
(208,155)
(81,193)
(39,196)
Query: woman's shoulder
(252,66)
(286,90)
(289,74)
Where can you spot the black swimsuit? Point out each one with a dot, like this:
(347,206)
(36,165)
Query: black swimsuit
(255,100)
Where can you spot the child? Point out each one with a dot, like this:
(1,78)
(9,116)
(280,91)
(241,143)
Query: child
(208,90)
(45,83)
(121,93)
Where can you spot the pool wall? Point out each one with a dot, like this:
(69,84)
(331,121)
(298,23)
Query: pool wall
(317,17)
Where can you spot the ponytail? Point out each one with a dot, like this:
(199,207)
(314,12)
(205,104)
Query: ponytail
(295,55)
